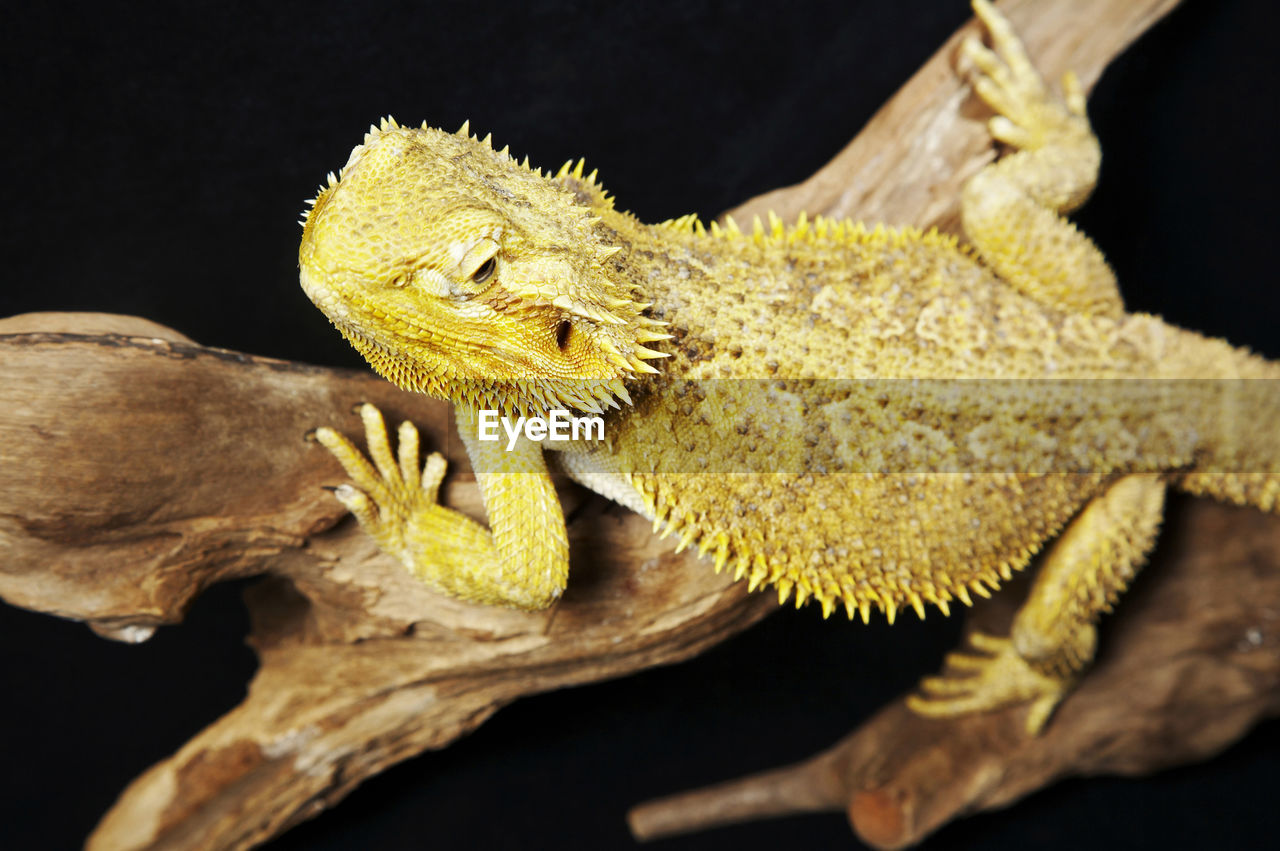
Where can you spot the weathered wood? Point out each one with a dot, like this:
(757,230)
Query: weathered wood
(1191,665)
(138,470)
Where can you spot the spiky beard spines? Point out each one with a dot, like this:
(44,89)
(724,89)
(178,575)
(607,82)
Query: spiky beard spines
(511,398)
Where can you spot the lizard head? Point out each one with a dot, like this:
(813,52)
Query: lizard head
(459,272)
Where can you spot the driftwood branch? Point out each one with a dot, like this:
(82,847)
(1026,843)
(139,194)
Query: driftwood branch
(139,468)
(1188,667)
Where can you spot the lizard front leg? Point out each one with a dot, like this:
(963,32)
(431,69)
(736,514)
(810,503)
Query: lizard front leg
(1053,636)
(523,563)
(1011,209)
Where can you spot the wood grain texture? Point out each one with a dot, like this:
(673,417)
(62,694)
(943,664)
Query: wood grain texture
(138,470)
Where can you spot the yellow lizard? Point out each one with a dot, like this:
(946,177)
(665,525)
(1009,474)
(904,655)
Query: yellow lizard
(869,418)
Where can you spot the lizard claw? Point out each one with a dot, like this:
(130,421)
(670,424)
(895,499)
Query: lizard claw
(385,490)
(997,678)
(1028,116)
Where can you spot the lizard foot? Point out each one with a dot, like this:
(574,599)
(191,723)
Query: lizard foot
(385,495)
(999,678)
(1028,115)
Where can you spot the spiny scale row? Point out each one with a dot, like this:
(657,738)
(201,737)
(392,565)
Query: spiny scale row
(569,169)
(756,569)
(820,229)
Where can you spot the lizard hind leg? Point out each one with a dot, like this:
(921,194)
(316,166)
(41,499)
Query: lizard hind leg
(1053,636)
(1012,209)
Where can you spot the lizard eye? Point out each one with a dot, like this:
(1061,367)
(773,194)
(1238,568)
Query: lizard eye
(485,271)
(477,263)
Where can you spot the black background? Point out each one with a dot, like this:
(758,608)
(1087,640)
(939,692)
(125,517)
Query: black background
(156,162)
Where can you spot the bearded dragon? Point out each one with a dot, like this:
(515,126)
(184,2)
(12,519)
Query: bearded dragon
(786,397)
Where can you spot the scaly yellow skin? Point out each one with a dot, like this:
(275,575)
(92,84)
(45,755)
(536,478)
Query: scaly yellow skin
(786,399)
